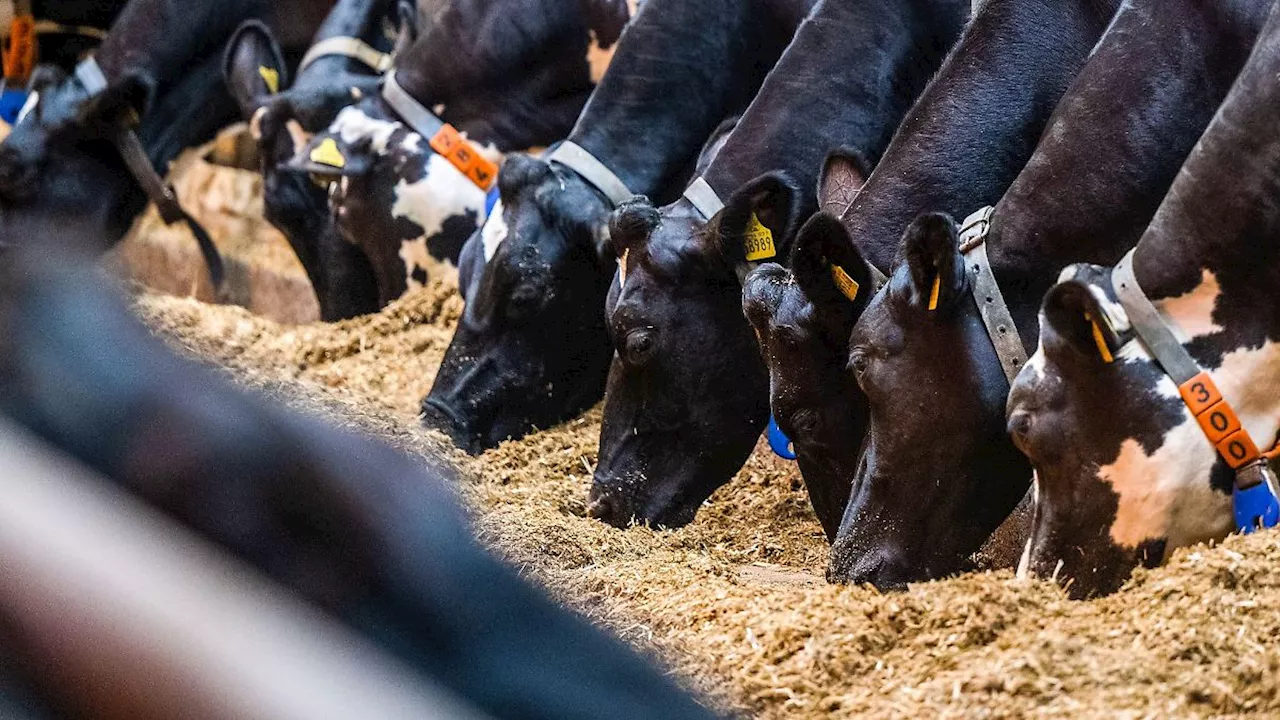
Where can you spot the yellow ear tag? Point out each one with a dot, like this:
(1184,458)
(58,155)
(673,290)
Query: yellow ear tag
(327,153)
(758,241)
(847,285)
(933,294)
(1099,339)
(271,77)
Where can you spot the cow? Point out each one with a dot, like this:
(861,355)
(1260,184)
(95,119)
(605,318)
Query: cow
(939,472)
(71,155)
(503,76)
(282,120)
(368,533)
(1127,470)
(531,348)
(52,33)
(687,394)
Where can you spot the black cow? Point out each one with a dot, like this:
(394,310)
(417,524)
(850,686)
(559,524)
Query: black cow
(507,76)
(688,394)
(946,154)
(1125,474)
(367,533)
(160,61)
(283,120)
(939,472)
(531,349)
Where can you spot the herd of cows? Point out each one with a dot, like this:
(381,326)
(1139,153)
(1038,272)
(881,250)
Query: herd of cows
(1001,268)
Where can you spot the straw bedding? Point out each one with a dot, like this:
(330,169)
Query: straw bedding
(735,606)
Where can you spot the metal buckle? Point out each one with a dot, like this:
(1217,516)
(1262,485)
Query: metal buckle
(974,230)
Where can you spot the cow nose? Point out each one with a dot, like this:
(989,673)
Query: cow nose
(881,568)
(439,415)
(608,507)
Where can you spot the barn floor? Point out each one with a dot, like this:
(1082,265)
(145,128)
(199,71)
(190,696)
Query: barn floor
(735,604)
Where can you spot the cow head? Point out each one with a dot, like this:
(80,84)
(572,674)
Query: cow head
(1124,473)
(802,319)
(530,350)
(935,479)
(687,394)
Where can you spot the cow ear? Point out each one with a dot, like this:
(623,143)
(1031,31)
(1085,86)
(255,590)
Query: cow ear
(407,21)
(756,219)
(826,264)
(631,225)
(1075,326)
(843,175)
(606,18)
(253,67)
(714,143)
(935,269)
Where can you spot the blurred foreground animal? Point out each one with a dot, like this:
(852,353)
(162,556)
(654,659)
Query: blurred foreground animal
(365,532)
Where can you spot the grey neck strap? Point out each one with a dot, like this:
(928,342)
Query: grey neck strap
(1149,326)
(89,73)
(572,156)
(986,293)
(704,198)
(413,113)
(349,47)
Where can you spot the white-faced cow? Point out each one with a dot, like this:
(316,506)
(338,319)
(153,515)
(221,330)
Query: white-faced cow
(354,46)
(688,394)
(76,155)
(531,348)
(411,166)
(1156,385)
(935,352)
(370,535)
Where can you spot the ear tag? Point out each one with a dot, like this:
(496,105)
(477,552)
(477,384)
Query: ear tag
(758,241)
(622,268)
(1099,339)
(779,442)
(271,77)
(933,294)
(327,153)
(847,285)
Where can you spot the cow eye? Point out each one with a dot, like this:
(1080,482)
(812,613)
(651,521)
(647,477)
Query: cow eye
(524,300)
(858,362)
(640,345)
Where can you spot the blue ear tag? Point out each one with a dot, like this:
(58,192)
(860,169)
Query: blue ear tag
(11,103)
(490,200)
(779,442)
(1255,507)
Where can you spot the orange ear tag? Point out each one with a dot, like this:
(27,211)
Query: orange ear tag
(758,241)
(933,294)
(847,285)
(1099,339)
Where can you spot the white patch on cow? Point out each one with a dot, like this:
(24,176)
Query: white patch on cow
(357,94)
(443,192)
(1024,562)
(494,232)
(28,107)
(1192,314)
(352,124)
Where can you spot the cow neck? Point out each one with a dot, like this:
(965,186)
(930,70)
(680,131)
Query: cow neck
(948,155)
(353,30)
(700,61)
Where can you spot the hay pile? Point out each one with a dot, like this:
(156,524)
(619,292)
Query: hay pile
(735,605)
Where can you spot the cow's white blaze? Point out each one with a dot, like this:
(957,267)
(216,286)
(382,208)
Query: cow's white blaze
(27,107)
(1191,315)
(494,232)
(352,124)
(442,193)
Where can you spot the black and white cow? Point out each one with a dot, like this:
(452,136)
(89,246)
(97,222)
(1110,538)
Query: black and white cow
(1014,65)
(531,348)
(1124,472)
(161,61)
(939,473)
(688,394)
(507,76)
(282,121)
(370,535)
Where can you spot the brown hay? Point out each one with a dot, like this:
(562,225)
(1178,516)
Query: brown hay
(733,603)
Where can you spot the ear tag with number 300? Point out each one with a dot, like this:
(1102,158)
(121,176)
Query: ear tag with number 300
(758,241)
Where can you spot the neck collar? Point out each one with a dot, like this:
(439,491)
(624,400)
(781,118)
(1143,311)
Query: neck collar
(596,173)
(349,47)
(986,294)
(442,136)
